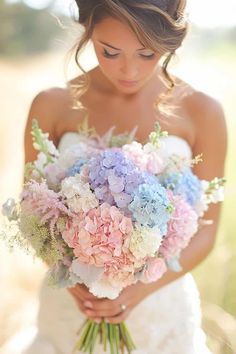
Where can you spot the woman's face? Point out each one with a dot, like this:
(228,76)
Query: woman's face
(122,59)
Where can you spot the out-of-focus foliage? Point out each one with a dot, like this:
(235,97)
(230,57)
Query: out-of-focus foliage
(211,41)
(24,30)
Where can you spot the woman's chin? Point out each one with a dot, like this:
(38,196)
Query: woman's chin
(128,87)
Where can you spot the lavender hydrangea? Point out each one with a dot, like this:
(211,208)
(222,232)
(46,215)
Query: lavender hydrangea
(184,183)
(151,206)
(114,178)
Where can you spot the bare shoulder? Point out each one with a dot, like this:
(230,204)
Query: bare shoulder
(210,132)
(47,107)
(207,116)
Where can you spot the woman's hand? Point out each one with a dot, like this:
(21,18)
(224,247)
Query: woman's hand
(81,294)
(111,310)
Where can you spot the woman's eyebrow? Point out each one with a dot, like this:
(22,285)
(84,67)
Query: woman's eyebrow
(111,46)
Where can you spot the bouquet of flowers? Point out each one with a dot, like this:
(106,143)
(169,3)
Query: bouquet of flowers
(108,212)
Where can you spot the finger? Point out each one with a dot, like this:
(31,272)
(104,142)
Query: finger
(80,304)
(102,308)
(118,318)
(86,294)
(82,292)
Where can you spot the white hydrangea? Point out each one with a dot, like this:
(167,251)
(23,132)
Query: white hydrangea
(103,288)
(75,152)
(78,194)
(72,154)
(145,242)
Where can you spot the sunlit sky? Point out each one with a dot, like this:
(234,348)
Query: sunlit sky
(205,13)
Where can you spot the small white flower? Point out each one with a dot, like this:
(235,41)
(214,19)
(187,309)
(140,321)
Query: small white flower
(51,148)
(36,146)
(218,195)
(150,148)
(205,185)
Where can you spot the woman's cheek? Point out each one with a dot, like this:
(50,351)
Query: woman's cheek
(110,68)
(150,67)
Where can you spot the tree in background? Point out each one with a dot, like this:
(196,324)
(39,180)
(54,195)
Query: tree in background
(24,30)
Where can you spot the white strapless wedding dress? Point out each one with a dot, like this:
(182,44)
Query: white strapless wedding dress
(166,322)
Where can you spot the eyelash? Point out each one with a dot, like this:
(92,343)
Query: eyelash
(108,55)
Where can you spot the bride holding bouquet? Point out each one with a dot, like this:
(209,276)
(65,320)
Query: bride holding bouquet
(134,42)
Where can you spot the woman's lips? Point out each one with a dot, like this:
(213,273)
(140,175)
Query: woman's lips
(128,83)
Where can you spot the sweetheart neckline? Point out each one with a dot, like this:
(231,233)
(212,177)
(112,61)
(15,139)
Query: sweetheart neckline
(164,137)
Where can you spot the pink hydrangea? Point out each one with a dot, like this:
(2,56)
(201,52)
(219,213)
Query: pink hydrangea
(121,271)
(98,236)
(181,227)
(155,268)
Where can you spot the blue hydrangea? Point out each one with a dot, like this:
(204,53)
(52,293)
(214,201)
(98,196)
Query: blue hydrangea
(185,183)
(151,206)
(76,168)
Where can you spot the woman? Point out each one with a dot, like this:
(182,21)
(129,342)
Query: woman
(127,88)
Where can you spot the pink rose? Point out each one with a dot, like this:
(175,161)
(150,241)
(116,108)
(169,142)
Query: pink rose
(156,267)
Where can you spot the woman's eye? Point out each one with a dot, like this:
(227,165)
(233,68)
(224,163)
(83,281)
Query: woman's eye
(109,55)
(149,56)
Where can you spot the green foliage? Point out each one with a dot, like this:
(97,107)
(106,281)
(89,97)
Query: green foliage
(40,140)
(154,137)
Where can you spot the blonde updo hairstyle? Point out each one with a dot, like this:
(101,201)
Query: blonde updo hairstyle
(160,25)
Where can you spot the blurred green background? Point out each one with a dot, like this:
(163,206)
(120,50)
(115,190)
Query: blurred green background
(34,39)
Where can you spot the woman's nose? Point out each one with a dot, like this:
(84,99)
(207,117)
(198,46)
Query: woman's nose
(129,70)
